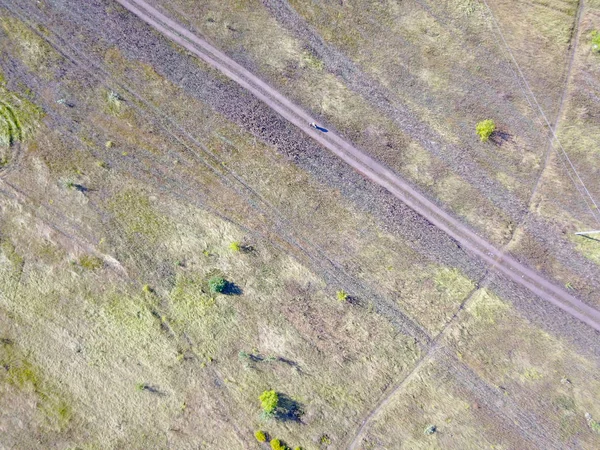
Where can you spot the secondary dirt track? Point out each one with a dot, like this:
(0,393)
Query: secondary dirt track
(369,167)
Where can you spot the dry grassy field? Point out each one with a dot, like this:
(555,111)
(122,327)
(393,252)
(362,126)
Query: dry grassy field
(134,177)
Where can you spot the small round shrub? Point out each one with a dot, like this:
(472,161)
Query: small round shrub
(485,128)
(430,430)
(260,436)
(342,295)
(269,401)
(217,285)
(235,246)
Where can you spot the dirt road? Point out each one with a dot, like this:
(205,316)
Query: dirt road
(368,166)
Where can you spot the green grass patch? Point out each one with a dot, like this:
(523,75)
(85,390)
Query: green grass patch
(588,247)
(89,262)
(138,216)
(487,307)
(19,117)
(453,283)
(595,41)
(24,375)
(312,61)
(31,49)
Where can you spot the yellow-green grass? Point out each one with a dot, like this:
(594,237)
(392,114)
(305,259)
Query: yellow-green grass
(19,118)
(315,206)
(31,49)
(536,372)
(539,372)
(433,397)
(96,337)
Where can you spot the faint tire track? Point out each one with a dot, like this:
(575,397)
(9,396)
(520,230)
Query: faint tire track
(561,103)
(307,252)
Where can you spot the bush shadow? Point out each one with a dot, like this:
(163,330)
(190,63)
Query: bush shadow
(500,137)
(288,409)
(232,289)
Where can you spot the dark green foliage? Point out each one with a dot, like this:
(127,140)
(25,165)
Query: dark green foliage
(217,285)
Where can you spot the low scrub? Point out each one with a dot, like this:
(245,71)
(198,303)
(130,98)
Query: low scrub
(260,436)
(276,444)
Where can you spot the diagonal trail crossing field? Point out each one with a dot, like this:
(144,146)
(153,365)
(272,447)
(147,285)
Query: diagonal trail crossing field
(368,166)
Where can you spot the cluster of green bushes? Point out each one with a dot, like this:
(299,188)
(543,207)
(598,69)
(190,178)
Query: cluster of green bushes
(276,444)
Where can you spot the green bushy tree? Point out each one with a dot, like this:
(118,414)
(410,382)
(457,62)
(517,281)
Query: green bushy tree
(269,401)
(217,284)
(485,128)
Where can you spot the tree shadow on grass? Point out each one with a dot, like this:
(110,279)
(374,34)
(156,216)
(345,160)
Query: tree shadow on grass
(500,137)
(288,409)
(232,289)
(152,390)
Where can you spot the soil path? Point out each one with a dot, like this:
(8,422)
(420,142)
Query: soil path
(369,167)
(563,97)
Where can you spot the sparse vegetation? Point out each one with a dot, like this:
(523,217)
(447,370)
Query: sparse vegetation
(594,425)
(341,295)
(595,41)
(485,128)
(90,262)
(325,440)
(235,246)
(217,284)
